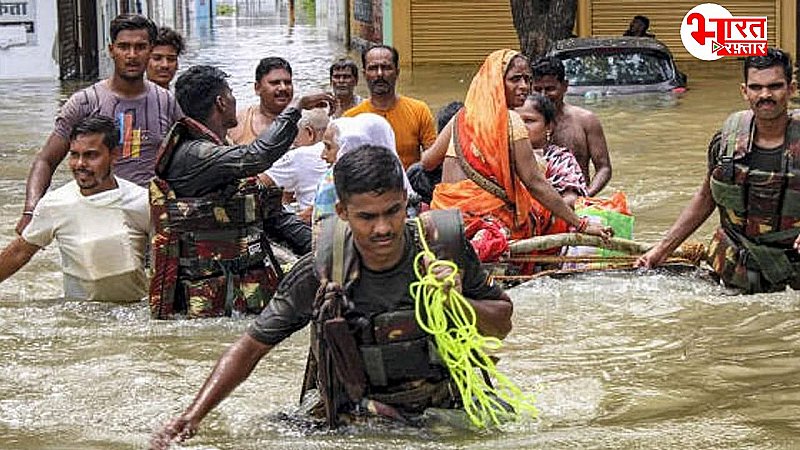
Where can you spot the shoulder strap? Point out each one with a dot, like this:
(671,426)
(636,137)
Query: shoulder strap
(482,181)
(337,269)
(737,134)
(335,258)
(792,143)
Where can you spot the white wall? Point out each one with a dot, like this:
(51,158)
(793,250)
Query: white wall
(163,13)
(337,19)
(106,11)
(37,60)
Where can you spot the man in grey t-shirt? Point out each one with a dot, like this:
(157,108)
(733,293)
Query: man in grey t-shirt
(143,111)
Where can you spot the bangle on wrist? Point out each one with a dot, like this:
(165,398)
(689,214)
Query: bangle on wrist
(583,223)
(27,213)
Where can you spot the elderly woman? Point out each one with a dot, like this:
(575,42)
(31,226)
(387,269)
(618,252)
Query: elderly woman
(489,170)
(341,136)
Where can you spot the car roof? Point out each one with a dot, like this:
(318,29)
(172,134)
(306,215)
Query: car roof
(566,45)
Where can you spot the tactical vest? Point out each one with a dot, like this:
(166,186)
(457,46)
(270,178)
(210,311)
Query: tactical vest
(759,210)
(211,254)
(398,359)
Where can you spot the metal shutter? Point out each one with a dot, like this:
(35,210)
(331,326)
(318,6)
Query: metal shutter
(611,18)
(460,32)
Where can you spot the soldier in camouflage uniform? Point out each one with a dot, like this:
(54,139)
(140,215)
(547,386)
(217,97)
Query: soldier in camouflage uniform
(212,217)
(754,181)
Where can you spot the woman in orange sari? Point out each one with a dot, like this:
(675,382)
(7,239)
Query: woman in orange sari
(489,169)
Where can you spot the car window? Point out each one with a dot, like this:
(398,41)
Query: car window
(617,67)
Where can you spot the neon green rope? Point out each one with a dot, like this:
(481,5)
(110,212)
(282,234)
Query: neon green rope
(450,319)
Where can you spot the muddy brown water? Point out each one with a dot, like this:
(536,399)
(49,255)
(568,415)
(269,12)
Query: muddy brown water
(622,360)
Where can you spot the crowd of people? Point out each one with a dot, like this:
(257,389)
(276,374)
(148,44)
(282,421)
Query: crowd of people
(335,178)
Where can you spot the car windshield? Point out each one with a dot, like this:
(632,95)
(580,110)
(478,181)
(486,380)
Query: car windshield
(616,66)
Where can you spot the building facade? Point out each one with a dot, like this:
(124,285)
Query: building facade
(28,47)
(464,31)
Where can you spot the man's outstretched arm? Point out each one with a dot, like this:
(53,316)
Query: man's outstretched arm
(233,367)
(15,256)
(598,153)
(696,212)
(44,164)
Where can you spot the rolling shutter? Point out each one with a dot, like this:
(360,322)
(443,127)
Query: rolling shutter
(611,18)
(460,31)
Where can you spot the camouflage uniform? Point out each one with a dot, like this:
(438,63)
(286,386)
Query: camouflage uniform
(211,253)
(759,210)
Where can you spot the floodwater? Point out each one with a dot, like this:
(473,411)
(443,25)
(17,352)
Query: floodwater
(621,360)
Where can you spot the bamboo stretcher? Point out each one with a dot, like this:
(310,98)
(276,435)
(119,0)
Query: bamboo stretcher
(687,254)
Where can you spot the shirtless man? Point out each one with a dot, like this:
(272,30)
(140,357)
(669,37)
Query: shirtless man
(576,128)
(275,90)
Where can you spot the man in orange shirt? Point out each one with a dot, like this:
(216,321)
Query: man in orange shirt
(411,119)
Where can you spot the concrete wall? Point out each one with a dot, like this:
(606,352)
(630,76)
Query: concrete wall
(106,11)
(337,15)
(366,23)
(26,55)
(163,12)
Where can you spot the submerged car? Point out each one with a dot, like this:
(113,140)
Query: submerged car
(618,65)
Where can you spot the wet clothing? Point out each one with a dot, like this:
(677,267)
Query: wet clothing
(483,137)
(374,292)
(476,197)
(212,255)
(757,192)
(143,123)
(101,237)
(200,166)
(412,122)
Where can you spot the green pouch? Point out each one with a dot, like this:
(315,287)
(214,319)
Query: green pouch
(791,203)
(730,196)
(622,224)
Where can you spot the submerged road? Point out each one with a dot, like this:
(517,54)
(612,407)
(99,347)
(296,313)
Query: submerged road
(621,361)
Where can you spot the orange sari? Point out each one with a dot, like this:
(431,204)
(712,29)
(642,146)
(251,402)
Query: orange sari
(483,133)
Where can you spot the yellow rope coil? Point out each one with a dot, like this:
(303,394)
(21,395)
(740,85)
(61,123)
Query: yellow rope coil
(446,315)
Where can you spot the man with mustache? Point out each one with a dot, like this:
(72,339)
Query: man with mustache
(101,222)
(752,178)
(411,119)
(376,250)
(274,88)
(163,64)
(144,112)
(344,78)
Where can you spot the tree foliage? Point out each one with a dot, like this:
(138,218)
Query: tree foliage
(541,22)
